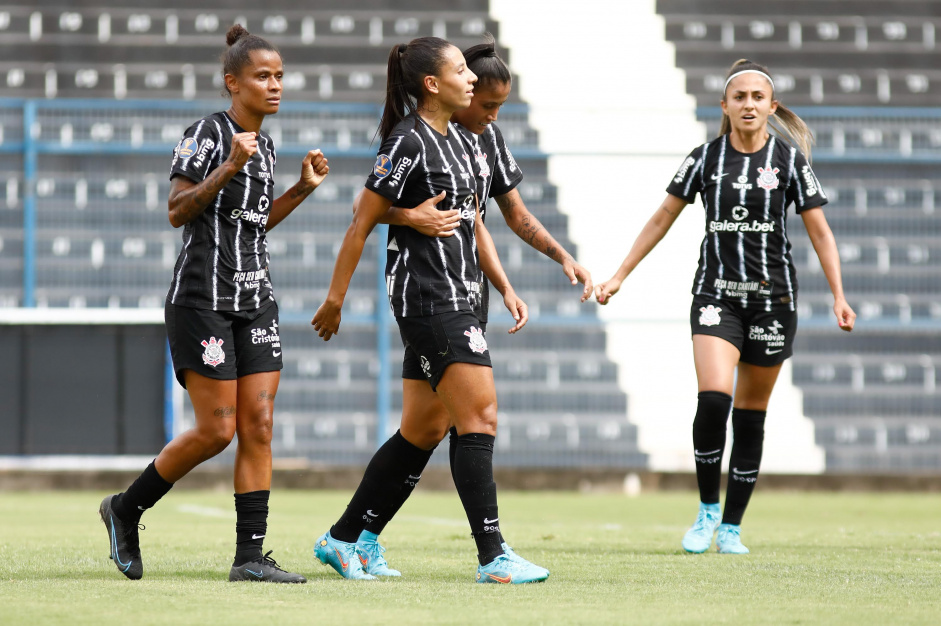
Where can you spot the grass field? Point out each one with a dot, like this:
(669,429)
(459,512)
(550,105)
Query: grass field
(816,559)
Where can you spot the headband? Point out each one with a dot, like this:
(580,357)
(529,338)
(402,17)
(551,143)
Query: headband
(729,79)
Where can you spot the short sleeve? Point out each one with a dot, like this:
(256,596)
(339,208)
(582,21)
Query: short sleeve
(508,173)
(197,150)
(687,181)
(397,159)
(804,189)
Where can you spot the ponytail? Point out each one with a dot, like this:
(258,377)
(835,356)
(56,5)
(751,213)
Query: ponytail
(484,61)
(785,123)
(408,65)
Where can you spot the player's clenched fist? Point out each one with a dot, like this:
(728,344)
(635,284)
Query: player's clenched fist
(314,168)
(244,145)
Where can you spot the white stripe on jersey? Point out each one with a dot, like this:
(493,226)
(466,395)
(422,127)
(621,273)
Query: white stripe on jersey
(391,281)
(689,182)
(238,225)
(179,275)
(424,160)
(444,264)
(705,201)
(767,216)
(463,260)
(215,236)
(405,283)
(721,169)
(186,160)
(741,235)
(784,246)
(450,170)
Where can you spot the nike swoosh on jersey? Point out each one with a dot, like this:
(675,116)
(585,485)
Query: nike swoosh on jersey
(718,176)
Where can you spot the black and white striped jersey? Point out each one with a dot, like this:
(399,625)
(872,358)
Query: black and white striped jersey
(746,255)
(497,173)
(428,275)
(223,265)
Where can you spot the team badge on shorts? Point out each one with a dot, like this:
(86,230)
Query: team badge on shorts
(213,355)
(476,340)
(768,178)
(426,367)
(709,315)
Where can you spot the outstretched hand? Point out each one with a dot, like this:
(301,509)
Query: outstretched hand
(517,308)
(845,316)
(605,290)
(578,274)
(326,320)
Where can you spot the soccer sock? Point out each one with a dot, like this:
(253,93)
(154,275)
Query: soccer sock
(473,477)
(412,460)
(378,496)
(143,493)
(709,427)
(251,524)
(452,450)
(748,433)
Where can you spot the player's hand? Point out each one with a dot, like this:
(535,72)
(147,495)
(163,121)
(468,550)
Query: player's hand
(428,220)
(845,316)
(517,309)
(244,145)
(578,274)
(314,169)
(605,290)
(327,320)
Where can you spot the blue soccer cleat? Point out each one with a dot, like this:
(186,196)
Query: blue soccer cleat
(699,537)
(341,556)
(729,539)
(508,570)
(370,556)
(507,550)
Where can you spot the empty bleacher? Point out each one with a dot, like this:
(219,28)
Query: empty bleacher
(864,76)
(105,94)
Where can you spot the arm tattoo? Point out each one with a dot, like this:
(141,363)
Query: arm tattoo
(528,229)
(264,395)
(300,193)
(224,411)
(194,201)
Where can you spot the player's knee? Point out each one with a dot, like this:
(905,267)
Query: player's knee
(712,412)
(748,425)
(258,430)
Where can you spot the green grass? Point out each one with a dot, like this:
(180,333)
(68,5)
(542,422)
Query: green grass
(816,558)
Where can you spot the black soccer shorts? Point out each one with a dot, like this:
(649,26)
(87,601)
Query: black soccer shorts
(434,342)
(764,338)
(224,345)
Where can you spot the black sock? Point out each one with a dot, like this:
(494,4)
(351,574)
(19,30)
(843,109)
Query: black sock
(141,495)
(452,450)
(473,477)
(378,496)
(748,433)
(413,461)
(709,428)
(251,524)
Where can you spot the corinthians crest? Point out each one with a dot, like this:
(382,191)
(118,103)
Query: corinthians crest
(709,315)
(476,340)
(213,355)
(768,178)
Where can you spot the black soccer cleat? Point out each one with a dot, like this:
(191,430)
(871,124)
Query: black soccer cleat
(263,570)
(124,540)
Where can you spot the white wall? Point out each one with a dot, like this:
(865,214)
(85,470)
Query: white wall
(612,110)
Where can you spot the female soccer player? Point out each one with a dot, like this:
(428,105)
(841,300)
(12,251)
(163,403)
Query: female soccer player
(221,315)
(743,315)
(425,419)
(431,282)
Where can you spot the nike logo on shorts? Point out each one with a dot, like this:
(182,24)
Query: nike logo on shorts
(273,353)
(767,351)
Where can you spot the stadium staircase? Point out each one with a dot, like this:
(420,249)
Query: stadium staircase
(865,77)
(108,92)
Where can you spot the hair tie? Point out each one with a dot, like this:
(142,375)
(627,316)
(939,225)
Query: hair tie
(402,48)
(729,79)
